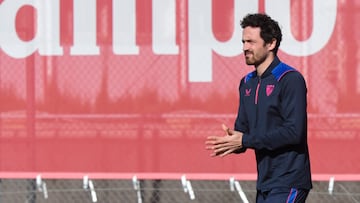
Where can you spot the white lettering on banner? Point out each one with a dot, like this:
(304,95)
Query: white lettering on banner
(164,27)
(47,36)
(201,40)
(85,28)
(124,27)
(324,17)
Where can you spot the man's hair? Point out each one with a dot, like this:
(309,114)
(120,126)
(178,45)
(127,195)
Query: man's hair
(269,28)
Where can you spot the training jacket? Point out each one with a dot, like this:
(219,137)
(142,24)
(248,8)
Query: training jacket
(273,117)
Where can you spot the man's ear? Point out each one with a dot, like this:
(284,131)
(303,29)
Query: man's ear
(272,44)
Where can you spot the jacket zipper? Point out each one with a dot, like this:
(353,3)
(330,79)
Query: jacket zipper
(257,91)
(257,100)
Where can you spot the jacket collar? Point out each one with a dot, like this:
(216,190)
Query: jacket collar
(273,64)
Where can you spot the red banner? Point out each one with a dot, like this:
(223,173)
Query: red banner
(137,85)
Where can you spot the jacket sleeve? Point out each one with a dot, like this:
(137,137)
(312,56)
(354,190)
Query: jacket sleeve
(241,124)
(292,110)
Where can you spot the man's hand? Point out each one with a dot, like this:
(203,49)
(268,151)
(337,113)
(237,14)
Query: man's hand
(224,145)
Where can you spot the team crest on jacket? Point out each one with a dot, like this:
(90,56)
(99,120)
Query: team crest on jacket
(247,92)
(269,89)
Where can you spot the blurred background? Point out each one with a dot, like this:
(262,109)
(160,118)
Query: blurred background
(133,87)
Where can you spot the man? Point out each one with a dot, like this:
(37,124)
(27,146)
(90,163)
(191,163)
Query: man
(272,117)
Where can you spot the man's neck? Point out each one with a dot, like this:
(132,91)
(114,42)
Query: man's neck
(261,68)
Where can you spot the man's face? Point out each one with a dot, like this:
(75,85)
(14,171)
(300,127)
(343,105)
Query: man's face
(254,47)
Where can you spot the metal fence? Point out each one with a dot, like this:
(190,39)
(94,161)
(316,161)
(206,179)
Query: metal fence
(158,191)
(111,112)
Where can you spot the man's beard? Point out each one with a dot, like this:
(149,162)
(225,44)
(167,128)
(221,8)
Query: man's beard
(252,60)
(249,60)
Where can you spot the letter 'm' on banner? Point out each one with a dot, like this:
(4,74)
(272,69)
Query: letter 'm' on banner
(84,28)
(124,27)
(164,27)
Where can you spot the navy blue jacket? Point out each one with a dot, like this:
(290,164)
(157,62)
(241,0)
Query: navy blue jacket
(273,117)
